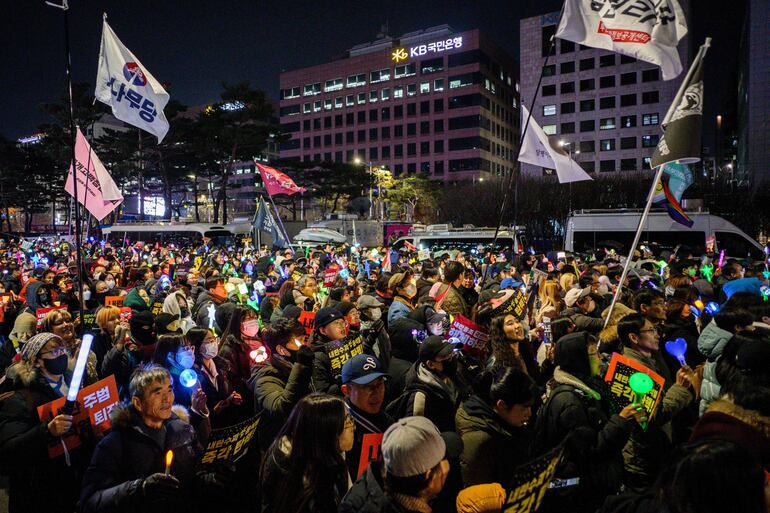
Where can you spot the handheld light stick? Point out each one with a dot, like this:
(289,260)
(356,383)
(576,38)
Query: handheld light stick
(641,384)
(712,307)
(677,348)
(77,374)
(765,291)
(721,261)
(259,355)
(211,310)
(169,459)
(188,378)
(707,271)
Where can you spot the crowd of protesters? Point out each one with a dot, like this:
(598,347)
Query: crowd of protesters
(413,423)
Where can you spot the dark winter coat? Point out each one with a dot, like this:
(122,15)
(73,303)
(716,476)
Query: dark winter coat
(369,428)
(453,302)
(277,387)
(37,483)
(431,397)
(491,449)
(127,455)
(583,321)
(367,495)
(595,441)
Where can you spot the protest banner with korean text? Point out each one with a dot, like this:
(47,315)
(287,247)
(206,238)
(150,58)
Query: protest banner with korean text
(113,301)
(530,483)
(228,444)
(343,350)
(474,338)
(618,374)
(90,417)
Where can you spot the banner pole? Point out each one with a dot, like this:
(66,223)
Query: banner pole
(642,222)
(78,229)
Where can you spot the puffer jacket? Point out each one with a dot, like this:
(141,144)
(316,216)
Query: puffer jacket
(645,453)
(711,343)
(491,449)
(594,443)
(128,454)
(37,482)
(430,397)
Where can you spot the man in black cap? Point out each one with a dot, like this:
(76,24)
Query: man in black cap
(433,388)
(363,385)
(330,326)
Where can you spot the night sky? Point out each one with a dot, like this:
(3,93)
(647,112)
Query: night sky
(194,45)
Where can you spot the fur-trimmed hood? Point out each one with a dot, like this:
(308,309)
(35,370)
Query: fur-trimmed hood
(751,418)
(565,378)
(22,374)
(122,415)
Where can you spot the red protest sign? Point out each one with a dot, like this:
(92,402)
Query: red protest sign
(473,337)
(330,275)
(370,451)
(40,313)
(113,301)
(90,417)
(307,320)
(618,373)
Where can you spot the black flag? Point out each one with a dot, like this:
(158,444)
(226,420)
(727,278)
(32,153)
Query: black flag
(264,220)
(682,124)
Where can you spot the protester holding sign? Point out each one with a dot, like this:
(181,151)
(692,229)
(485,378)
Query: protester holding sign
(126,470)
(283,381)
(40,377)
(330,326)
(59,322)
(363,384)
(577,413)
(647,450)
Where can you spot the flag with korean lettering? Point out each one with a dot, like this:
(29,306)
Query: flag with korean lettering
(681,141)
(644,29)
(276,182)
(124,84)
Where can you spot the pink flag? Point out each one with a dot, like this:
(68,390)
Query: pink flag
(277,182)
(96,189)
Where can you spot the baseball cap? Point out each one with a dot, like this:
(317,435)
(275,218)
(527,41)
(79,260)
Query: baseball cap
(435,346)
(326,316)
(413,445)
(361,369)
(574,295)
(367,301)
(753,357)
(396,280)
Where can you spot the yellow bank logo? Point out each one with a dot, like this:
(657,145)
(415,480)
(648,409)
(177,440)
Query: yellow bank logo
(399,54)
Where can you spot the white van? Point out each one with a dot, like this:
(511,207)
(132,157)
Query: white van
(441,237)
(591,229)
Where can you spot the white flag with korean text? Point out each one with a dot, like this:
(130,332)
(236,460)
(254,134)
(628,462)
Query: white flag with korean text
(538,150)
(126,86)
(643,29)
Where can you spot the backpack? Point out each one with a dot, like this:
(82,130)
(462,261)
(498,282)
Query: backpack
(398,408)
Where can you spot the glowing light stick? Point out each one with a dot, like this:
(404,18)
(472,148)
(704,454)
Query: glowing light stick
(641,384)
(243,289)
(707,271)
(765,291)
(721,261)
(259,355)
(712,307)
(677,348)
(699,304)
(169,459)
(77,374)
(188,378)
(211,310)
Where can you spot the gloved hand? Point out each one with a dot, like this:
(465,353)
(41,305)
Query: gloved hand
(377,326)
(159,486)
(305,356)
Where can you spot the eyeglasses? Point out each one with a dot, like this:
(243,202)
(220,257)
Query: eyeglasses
(55,352)
(648,330)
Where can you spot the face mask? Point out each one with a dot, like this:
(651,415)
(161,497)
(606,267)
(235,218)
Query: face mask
(375,314)
(184,312)
(185,358)
(57,366)
(86,295)
(410,290)
(250,328)
(110,284)
(209,350)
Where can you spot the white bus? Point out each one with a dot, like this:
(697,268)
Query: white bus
(588,230)
(150,232)
(442,237)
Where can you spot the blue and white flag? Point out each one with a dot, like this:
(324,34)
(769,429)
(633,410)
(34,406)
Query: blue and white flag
(264,220)
(126,86)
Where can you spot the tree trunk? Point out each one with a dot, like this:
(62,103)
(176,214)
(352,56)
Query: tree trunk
(53,215)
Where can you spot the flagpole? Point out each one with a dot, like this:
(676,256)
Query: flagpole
(642,223)
(514,176)
(78,234)
(280,221)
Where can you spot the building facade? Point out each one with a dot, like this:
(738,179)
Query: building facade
(432,101)
(754,96)
(604,108)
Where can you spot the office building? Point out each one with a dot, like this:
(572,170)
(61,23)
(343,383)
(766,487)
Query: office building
(604,107)
(754,96)
(435,101)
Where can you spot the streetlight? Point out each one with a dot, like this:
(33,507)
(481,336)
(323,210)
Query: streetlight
(569,145)
(357,161)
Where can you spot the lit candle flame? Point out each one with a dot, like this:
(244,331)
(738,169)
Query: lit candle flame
(169,459)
